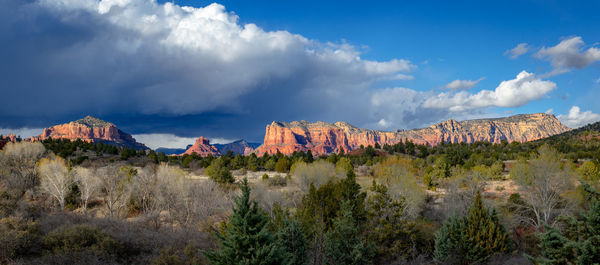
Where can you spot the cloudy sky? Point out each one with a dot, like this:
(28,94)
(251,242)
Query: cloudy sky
(170,71)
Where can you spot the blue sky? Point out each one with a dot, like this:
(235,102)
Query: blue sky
(169,72)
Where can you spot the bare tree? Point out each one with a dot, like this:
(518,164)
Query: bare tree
(541,184)
(56,179)
(317,173)
(188,201)
(115,186)
(397,174)
(89,184)
(17,167)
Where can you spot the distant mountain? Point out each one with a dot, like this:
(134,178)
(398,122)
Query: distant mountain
(324,138)
(171,151)
(202,147)
(237,147)
(91,129)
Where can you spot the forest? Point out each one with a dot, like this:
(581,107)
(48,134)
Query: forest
(511,203)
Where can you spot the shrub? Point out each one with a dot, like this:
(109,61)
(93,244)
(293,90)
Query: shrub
(18,237)
(75,238)
(282,165)
(278,181)
(219,172)
(265,176)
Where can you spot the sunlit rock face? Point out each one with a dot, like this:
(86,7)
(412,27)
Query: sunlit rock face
(324,138)
(202,147)
(90,129)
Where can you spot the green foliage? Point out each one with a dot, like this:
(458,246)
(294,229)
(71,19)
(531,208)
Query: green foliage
(74,238)
(246,239)
(473,239)
(391,233)
(283,165)
(18,238)
(578,243)
(589,171)
(293,243)
(343,244)
(219,172)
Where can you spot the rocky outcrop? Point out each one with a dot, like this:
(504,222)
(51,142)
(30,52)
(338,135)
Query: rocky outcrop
(202,147)
(91,129)
(238,147)
(324,138)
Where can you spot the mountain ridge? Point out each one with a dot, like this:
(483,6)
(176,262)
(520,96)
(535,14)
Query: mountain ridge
(324,138)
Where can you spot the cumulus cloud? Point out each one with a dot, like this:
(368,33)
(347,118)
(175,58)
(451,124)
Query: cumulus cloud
(463,84)
(141,57)
(577,118)
(569,54)
(511,93)
(517,51)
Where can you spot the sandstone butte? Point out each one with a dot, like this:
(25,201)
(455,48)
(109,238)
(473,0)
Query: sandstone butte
(324,138)
(90,129)
(202,147)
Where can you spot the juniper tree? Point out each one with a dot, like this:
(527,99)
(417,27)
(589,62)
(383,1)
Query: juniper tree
(246,239)
(474,238)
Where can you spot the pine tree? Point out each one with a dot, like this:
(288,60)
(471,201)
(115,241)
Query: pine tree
(343,244)
(293,243)
(246,240)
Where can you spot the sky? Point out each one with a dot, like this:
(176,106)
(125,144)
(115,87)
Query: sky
(171,71)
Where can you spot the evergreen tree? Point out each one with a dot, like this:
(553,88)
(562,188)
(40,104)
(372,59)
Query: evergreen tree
(392,235)
(246,239)
(293,243)
(471,240)
(343,244)
(579,242)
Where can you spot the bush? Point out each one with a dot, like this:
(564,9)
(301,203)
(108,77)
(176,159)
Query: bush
(76,238)
(278,181)
(219,172)
(282,165)
(18,238)
(265,176)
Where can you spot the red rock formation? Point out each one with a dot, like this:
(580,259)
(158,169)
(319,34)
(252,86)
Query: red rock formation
(202,147)
(90,129)
(324,138)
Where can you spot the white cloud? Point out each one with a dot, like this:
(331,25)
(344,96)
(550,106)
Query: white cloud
(23,132)
(463,84)
(550,111)
(517,51)
(165,140)
(576,118)
(569,54)
(511,93)
(146,57)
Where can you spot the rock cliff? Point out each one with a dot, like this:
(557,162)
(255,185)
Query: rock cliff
(202,147)
(324,138)
(91,129)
